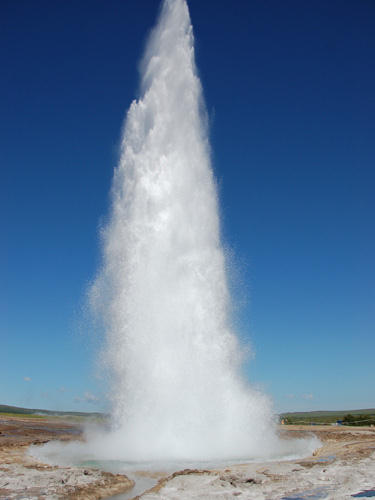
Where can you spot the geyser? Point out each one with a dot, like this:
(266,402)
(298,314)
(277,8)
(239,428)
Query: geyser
(176,388)
(174,363)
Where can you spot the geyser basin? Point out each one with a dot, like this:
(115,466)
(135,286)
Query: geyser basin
(100,450)
(177,393)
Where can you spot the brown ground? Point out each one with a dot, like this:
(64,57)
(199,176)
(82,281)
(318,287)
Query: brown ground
(339,441)
(21,476)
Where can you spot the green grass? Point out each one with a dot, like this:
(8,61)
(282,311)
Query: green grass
(7,410)
(328,417)
(21,415)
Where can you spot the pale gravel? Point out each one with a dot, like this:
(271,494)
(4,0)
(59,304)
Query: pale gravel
(273,481)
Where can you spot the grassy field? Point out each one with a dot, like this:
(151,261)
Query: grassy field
(23,415)
(15,411)
(361,417)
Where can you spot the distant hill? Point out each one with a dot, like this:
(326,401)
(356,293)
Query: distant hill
(37,411)
(320,416)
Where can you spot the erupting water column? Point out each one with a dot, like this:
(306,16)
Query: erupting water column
(162,290)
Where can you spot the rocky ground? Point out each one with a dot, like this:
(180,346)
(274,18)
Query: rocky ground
(344,467)
(22,477)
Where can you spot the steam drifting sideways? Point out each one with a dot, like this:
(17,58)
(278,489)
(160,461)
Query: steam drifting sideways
(176,388)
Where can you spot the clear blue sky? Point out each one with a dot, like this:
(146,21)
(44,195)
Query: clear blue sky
(289,88)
